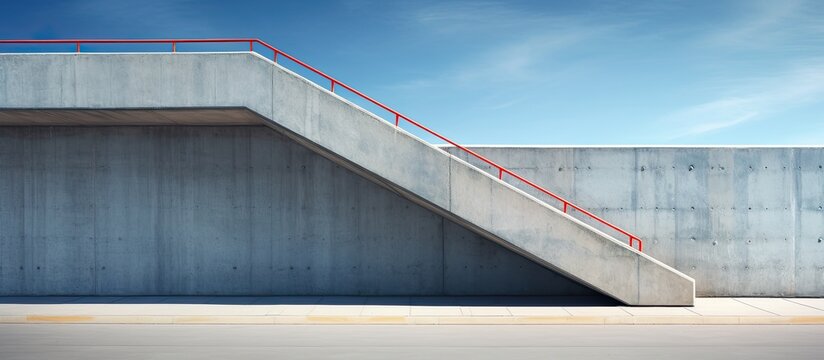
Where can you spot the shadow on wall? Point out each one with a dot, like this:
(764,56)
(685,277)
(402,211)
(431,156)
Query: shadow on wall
(228,211)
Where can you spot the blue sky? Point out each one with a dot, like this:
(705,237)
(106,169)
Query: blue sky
(521,72)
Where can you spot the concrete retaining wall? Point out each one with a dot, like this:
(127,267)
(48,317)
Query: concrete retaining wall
(351,138)
(225,210)
(740,221)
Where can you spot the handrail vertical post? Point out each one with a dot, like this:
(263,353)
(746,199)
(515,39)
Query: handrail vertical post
(565,206)
(174,46)
(397,119)
(500,173)
(251,46)
(332,87)
(77,47)
(275,57)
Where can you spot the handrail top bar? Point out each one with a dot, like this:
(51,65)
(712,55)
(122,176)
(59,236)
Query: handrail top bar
(334,82)
(127,41)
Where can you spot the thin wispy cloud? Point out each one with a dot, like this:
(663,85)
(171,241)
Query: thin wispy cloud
(794,24)
(514,51)
(479,16)
(516,62)
(504,104)
(758,98)
(512,45)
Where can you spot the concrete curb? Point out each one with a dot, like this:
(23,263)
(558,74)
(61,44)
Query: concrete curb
(411,320)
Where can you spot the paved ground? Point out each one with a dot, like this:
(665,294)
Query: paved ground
(400,310)
(51,341)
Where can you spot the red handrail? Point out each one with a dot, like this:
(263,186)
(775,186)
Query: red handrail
(334,82)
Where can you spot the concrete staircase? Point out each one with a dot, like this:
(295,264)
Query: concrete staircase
(110,88)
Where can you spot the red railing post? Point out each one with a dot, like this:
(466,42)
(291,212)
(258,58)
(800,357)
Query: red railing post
(251,45)
(77,47)
(500,173)
(275,58)
(332,87)
(640,243)
(565,206)
(397,119)
(174,46)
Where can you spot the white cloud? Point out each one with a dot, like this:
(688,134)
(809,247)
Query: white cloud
(770,24)
(475,16)
(509,44)
(518,61)
(754,99)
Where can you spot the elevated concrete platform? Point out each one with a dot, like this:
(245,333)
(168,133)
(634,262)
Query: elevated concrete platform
(402,310)
(346,134)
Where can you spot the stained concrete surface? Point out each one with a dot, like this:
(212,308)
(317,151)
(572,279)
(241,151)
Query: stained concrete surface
(742,221)
(243,210)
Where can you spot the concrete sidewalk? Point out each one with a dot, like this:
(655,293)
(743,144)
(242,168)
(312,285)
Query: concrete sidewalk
(400,310)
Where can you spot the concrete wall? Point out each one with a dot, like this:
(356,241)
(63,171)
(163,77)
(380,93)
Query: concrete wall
(352,138)
(225,210)
(740,221)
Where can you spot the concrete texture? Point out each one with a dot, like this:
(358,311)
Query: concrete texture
(401,310)
(352,138)
(225,210)
(477,342)
(742,221)
(141,117)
